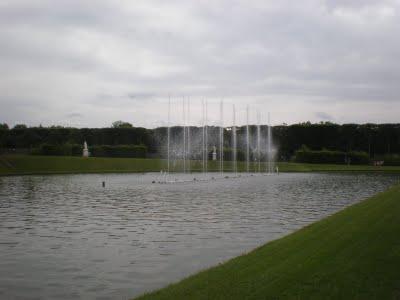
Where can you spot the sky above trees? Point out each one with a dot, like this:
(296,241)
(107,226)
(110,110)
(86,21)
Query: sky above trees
(89,63)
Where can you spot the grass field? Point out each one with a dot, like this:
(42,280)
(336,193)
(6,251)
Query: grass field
(30,164)
(354,254)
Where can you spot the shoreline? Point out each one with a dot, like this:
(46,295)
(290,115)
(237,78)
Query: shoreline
(330,258)
(22,165)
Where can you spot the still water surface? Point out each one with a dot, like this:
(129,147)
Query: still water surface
(67,237)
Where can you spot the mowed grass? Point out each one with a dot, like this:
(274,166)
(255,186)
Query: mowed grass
(31,164)
(353,254)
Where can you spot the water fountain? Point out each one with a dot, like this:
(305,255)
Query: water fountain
(206,137)
(188,138)
(169,134)
(247,141)
(258,142)
(221,138)
(234,141)
(184,136)
(189,146)
(269,144)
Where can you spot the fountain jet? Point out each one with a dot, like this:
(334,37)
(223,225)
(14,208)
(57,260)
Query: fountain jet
(247,141)
(221,137)
(234,150)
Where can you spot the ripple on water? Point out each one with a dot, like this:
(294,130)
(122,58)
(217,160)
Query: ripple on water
(66,237)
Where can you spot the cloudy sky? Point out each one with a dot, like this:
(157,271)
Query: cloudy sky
(89,63)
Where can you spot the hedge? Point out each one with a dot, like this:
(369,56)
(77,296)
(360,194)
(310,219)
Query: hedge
(390,159)
(61,150)
(119,151)
(331,157)
(97,151)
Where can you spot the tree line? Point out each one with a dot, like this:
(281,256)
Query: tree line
(376,140)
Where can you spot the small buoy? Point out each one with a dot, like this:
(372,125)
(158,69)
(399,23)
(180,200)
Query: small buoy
(226,177)
(103,184)
(194,179)
(153,181)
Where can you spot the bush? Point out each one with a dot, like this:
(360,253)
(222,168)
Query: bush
(305,155)
(228,154)
(97,151)
(118,151)
(358,158)
(390,159)
(66,150)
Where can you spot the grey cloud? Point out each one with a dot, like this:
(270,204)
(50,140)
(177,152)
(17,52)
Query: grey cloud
(324,116)
(74,115)
(114,58)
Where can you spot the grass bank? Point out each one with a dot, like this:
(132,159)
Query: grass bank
(31,164)
(353,254)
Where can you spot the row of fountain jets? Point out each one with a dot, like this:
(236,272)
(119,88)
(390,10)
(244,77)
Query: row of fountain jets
(186,141)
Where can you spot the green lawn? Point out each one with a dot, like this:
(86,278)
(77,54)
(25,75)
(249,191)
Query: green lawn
(353,254)
(30,164)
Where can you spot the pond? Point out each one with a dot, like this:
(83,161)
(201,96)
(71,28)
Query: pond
(67,237)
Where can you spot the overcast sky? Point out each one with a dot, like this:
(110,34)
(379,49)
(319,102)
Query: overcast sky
(89,63)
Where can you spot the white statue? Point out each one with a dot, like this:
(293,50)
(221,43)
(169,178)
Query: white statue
(85,150)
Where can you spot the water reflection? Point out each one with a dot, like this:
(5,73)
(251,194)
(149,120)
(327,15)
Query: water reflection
(68,237)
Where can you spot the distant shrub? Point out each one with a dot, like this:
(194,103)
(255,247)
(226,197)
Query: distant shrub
(98,151)
(389,159)
(358,158)
(58,150)
(138,151)
(305,155)
(228,154)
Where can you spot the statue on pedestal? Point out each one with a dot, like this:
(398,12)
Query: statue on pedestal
(85,150)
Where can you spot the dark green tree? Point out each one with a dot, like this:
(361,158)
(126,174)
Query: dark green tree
(121,124)
(20,126)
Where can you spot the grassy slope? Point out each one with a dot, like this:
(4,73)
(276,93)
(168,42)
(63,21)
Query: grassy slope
(25,164)
(354,254)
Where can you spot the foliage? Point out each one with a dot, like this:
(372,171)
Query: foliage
(390,159)
(376,140)
(66,149)
(20,126)
(305,155)
(121,124)
(99,151)
(139,151)
(228,154)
